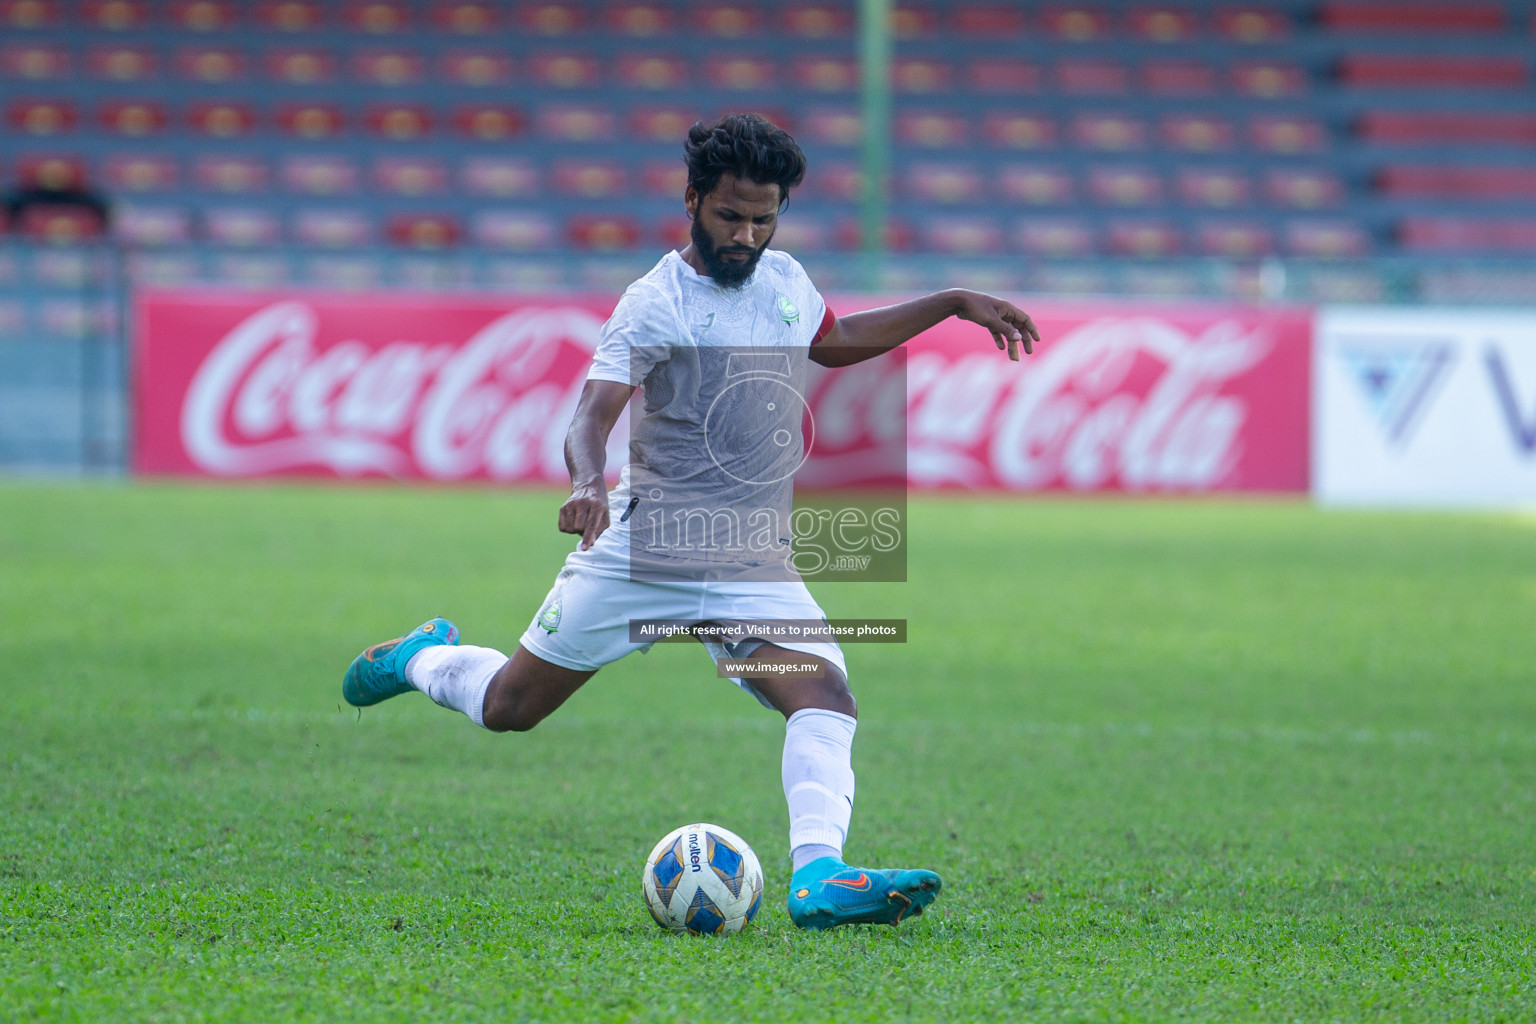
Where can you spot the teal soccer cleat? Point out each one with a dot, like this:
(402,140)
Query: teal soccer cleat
(827,893)
(379,672)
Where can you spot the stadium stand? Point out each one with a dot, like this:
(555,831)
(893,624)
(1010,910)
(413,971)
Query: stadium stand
(1031,130)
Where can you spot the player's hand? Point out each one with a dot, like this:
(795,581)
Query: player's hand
(1010,325)
(585,512)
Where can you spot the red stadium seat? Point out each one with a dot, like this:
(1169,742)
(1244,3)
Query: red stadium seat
(399,122)
(990,20)
(204,15)
(603,234)
(311,120)
(239,226)
(1002,75)
(1034,185)
(131,117)
(1303,189)
(565,71)
(747,74)
(1267,79)
(141,172)
(466,17)
(1076,22)
(478,68)
(1092,77)
(123,63)
(1109,133)
(300,65)
(1178,78)
(1161,23)
(1434,71)
(1019,131)
(818,20)
(1125,186)
(51,170)
(1215,188)
(569,122)
(1235,239)
(667,179)
(424,230)
(1326,239)
(487,122)
(1505,235)
(963,236)
(387,67)
(912,21)
(58,225)
(848,235)
(725,20)
(211,64)
(1439,128)
(513,230)
(1378,17)
(590,179)
(152,225)
(825,74)
(932,130)
(639,20)
(1055,237)
(921,76)
(34,62)
(1144,238)
(834,179)
(410,175)
(290,15)
(652,71)
(501,177)
(1195,133)
(674,232)
(1458,182)
(944,183)
(320,174)
(233,175)
(378,17)
(662,124)
(1247,23)
(802,234)
(41,117)
(1287,135)
(834,126)
(22,15)
(544,18)
(333,227)
(221,120)
(114,15)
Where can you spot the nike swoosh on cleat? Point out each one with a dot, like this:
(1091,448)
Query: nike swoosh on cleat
(858,884)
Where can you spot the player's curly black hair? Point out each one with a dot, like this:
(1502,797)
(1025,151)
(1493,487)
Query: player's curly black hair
(746,145)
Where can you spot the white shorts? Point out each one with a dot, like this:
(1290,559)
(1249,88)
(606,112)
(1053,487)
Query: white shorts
(583,623)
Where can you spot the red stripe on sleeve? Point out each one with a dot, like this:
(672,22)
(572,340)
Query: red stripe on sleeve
(827,323)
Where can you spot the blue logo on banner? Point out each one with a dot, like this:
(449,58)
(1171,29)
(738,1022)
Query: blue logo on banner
(1522,431)
(1397,381)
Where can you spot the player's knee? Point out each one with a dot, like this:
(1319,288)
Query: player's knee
(833,693)
(513,719)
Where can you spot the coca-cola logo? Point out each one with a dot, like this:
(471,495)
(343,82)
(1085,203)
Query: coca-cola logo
(1135,402)
(268,398)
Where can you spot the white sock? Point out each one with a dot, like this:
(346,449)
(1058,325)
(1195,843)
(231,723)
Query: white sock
(818,782)
(455,677)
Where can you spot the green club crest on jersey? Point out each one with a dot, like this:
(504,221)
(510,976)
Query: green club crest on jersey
(549,618)
(787,311)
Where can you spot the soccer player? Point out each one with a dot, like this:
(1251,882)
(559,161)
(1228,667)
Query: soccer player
(674,334)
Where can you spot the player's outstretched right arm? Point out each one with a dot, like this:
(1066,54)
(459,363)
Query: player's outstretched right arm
(586,444)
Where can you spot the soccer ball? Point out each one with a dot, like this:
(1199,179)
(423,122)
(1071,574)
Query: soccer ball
(703,879)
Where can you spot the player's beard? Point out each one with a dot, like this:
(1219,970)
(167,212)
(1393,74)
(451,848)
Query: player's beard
(726,273)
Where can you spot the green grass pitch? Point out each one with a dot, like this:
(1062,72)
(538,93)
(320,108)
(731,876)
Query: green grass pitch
(1176,760)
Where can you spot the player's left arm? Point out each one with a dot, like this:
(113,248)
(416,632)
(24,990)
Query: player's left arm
(864,335)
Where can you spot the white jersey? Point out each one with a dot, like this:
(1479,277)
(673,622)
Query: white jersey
(722,373)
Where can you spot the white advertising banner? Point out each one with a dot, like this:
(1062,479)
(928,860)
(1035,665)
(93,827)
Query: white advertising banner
(1424,406)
